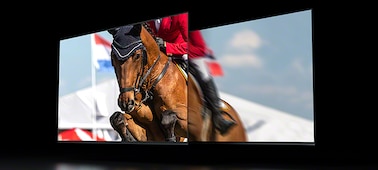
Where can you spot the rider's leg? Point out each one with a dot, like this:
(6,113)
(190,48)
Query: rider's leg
(211,94)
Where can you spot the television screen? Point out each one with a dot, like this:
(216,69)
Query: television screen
(267,69)
(261,67)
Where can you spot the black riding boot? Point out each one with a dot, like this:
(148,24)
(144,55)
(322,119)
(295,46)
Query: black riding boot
(214,102)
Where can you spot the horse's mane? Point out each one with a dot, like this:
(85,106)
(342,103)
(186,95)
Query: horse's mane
(147,26)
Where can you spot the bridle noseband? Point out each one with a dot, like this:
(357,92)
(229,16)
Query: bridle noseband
(148,92)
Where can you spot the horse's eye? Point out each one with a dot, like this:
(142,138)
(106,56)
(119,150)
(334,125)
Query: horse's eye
(137,56)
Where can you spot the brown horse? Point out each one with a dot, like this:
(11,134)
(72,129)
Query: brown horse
(155,92)
(141,79)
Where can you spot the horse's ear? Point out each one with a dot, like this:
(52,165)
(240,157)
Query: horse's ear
(137,28)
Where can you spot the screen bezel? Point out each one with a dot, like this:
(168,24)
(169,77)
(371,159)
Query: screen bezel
(264,149)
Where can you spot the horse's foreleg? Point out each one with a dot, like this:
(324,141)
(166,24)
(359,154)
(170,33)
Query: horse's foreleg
(118,123)
(169,119)
(128,136)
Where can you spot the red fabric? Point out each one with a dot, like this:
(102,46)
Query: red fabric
(71,135)
(101,41)
(215,68)
(179,41)
(174,31)
(197,45)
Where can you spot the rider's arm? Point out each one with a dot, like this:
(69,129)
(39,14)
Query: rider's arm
(179,48)
(197,45)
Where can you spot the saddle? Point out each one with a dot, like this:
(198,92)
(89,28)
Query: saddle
(184,68)
(182,65)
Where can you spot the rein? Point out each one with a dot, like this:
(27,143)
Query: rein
(137,89)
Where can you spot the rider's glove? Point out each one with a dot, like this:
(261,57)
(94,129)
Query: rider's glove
(162,45)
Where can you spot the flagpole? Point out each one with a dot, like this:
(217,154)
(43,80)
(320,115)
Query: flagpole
(100,49)
(93,74)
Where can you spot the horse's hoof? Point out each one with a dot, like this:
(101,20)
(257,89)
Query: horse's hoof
(172,139)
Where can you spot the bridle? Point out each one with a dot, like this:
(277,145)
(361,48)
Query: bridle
(137,89)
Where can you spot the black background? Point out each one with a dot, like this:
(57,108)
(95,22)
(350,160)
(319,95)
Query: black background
(343,75)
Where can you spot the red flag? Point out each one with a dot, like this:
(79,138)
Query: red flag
(101,49)
(77,134)
(214,67)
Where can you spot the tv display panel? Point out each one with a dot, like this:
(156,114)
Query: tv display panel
(267,77)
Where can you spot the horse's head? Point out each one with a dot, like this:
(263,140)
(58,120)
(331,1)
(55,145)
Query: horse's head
(128,59)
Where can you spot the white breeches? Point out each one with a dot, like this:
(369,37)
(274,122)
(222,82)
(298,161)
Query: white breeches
(201,66)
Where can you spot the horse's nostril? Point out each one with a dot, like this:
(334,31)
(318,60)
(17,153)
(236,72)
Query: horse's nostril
(131,103)
(122,105)
(130,107)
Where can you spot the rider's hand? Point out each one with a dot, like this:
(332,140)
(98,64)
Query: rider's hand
(161,43)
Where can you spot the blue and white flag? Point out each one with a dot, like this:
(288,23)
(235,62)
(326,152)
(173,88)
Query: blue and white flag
(101,53)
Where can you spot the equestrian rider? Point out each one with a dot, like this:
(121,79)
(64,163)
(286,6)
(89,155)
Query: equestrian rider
(172,37)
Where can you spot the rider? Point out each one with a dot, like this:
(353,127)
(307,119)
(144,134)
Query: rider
(172,36)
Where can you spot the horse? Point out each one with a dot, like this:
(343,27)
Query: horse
(155,91)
